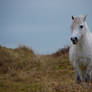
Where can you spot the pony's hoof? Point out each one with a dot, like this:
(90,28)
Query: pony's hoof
(87,78)
(78,79)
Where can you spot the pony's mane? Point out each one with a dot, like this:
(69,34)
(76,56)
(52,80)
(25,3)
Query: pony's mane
(77,20)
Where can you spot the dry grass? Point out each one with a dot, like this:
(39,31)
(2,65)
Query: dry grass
(21,70)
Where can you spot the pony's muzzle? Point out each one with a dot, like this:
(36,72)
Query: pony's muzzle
(74,40)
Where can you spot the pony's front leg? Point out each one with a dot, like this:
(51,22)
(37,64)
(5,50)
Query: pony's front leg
(78,73)
(88,73)
(78,76)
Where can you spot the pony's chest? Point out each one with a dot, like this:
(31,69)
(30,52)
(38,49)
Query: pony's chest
(83,62)
(83,57)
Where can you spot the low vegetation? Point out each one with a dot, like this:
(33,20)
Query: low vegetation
(21,70)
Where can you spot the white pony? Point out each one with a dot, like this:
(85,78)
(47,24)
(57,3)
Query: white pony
(80,52)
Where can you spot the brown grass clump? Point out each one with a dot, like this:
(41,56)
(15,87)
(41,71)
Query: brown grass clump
(62,52)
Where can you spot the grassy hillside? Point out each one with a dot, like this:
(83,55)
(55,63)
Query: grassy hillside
(21,70)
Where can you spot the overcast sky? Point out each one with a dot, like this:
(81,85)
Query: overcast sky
(43,25)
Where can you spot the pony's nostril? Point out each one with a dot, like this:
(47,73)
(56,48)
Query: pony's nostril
(76,38)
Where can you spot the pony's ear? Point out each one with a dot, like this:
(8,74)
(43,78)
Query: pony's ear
(85,17)
(72,17)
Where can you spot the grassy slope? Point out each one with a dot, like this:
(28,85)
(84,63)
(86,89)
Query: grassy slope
(23,71)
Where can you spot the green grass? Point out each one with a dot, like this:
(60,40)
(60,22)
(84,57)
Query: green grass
(21,70)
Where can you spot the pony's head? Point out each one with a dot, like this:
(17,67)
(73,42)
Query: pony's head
(78,28)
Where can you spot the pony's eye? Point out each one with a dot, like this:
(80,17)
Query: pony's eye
(81,26)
